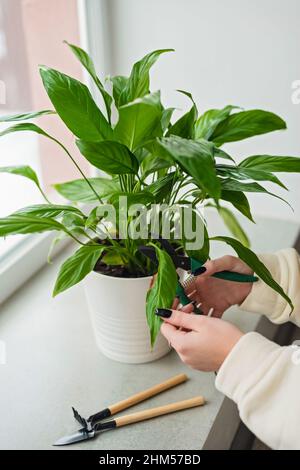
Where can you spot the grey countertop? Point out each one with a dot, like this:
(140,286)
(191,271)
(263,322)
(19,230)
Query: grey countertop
(52,363)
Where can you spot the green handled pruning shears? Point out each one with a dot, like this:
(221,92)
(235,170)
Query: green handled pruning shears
(193,266)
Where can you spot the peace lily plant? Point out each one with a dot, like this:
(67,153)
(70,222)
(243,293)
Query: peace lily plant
(149,159)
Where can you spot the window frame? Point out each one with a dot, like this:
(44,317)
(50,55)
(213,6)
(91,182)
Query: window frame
(29,255)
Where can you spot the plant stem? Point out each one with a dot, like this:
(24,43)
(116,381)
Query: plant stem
(79,169)
(44,195)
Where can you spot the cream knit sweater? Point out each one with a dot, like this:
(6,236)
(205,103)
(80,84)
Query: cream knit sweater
(260,376)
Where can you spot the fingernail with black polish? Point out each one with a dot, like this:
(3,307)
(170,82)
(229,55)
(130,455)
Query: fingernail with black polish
(200,270)
(163,312)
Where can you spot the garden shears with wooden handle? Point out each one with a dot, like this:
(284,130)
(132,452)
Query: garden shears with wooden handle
(95,424)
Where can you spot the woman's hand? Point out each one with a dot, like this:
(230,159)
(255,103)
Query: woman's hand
(217,294)
(202,342)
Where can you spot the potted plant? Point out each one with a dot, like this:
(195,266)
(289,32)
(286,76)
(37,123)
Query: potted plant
(148,161)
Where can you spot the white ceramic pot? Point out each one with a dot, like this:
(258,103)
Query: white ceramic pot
(117,308)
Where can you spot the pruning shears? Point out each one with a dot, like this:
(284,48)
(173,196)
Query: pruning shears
(193,267)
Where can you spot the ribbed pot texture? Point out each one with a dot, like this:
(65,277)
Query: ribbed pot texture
(117,309)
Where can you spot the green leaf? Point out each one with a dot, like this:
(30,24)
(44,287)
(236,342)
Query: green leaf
(109,156)
(93,219)
(242,173)
(25,126)
(233,185)
(77,267)
(239,201)
(74,223)
(162,294)
(138,82)
(271,163)
(48,210)
(152,163)
(207,122)
(26,116)
(219,153)
(139,120)
(119,83)
(75,106)
(113,258)
(162,187)
(79,191)
(234,226)
(88,64)
(196,158)
(22,224)
(202,253)
(141,197)
(184,127)
(254,263)
(166,118)
(246,124)
(22,170)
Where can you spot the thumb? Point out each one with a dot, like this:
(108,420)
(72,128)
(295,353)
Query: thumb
(225,263)
(178,318)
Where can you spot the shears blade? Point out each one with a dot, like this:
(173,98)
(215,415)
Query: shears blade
(81,435)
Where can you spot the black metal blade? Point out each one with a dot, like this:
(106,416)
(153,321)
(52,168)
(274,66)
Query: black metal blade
(80,419)
(149,251)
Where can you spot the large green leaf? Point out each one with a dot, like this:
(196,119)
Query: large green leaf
(162,294)
(48,210)
(138,82)
(139,121)
(254,263)
(196,158)
(246,124)
(75,268)
(271,163)
(109,156)
(88,64)
(22,224)
(207,122)
(233,225)
(75,106)
(79,191)
(242,173)
(239,201)
(25,116)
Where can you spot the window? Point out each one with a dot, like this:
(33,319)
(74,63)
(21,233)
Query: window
(32,33)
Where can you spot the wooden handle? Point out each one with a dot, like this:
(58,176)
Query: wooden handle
(159,411)
(141,396)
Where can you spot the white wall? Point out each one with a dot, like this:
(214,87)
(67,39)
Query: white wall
(242,52)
